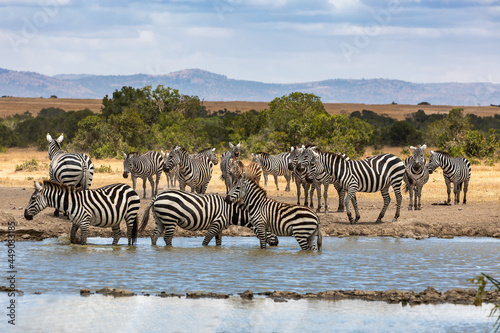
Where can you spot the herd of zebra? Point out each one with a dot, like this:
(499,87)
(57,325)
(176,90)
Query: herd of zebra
(246,203)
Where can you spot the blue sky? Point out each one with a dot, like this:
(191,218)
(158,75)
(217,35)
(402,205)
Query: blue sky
(278,41)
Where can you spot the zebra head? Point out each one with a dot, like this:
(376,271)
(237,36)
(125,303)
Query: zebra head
(210,153)
(235,150)
(128,163)
(235,168)
(54,145)
(294,156)
(306,159)
(434,161)
(239,190)
(418,156)
(37,203)
(173,158)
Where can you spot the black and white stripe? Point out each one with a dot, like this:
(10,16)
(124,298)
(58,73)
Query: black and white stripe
(193,212)
(143,166)
(195,172)
(299,176)
(103,207)
(276,165)
(281,219)
(377,173)
(173,174)
(455,170)
(416,176)
(225,159)
(237,168)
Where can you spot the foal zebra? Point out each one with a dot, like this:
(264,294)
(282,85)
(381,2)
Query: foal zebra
(195,172)
(73,169)
(192,211)
(376,173)
(416,175)
(224,164)
(455,170)
(103,207)
(237,168)
(279,218)
(276,165)
(144,166)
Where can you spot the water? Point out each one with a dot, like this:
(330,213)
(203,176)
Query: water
(59,271)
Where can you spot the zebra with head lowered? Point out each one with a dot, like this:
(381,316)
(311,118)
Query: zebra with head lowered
(276,165)
(194,212)
(225,159)
(237,169)
(103,207)
(455,170)
(416,175)
(195,172)
(315,173)
(73,169)
(144,166)
(279,218)
(376,173)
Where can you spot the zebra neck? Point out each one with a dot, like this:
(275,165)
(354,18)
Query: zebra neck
(61,198)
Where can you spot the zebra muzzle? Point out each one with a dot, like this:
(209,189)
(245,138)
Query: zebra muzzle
(27,215)
(228,199)
(125,174)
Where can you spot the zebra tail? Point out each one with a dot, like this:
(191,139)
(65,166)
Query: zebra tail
(319,241)
(145,217)
(134,230)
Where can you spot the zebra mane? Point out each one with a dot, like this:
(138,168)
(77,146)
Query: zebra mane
(181,149)
(443,153)
(204,150)
(263,153)
(133,154)
(52,184)
(257,186)
(237,161)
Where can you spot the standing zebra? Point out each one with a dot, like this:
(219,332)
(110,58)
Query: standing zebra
(237,168)
(103,207)
(172,175)
(208,152)
(299,176)
(73,169)
(224,164)
(279,218)
(416,175)
(316,174)
(455,170)
(144,166)
(376,173)
(195,172)
(276,165)
(193,211)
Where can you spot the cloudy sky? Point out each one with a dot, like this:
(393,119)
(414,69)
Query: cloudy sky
(279,41)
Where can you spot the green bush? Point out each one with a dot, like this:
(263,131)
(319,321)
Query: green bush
(27,166)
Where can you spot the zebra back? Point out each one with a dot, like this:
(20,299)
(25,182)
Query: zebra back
(208,152)
(146,165)
(273,164)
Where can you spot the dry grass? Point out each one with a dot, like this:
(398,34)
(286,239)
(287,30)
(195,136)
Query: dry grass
(484,185)
(17,105)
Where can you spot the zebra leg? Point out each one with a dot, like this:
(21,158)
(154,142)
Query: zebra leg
(297,183)
(169,234)
(457,187)
(152,183)
(355,205)
(72,237)
(287,178)
(215,229)
(158,176)
(341,193)
(144,186)
(418,196)
(156,233)
(260,231)
(466,187)
(317,187)
(265,181)
(218,239)
(116,234)
(134,180)
(56,213)
(351,194)
(276,182)
(399,199)
(448,190)
(411,188)
(387,201)
(84,231)
(325,196)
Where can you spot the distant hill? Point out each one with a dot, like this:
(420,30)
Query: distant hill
(215,87)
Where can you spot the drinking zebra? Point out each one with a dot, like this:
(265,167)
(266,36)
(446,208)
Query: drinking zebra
(376,173)
(416,175)
(173,174)
(103,207)
(224,164)
(455,170)
(73,169)
(279,218)
(276,165)
(315,173)
(299,176)
(144,166)
(195,172)
(194,212)
(237,168)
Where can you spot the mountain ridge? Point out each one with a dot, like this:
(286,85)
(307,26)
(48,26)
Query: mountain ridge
(217,87)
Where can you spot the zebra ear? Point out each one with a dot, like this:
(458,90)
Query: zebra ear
(413,148)
(231,145)
(124,155)
(49,138)
(38,187)
(432,152)
(213,149)
(60,138)
(424,146)
(238,145)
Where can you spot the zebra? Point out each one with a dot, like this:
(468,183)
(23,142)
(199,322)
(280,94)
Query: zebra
(376,173)
(224,164)
(237,168)
(416,175)
(276,165)
(195,172)
(315,173)
(103,207)
(73,169)
(144,166)
(194,212)
(173,175)
(208,152)
(299,176)
(455,170)
(279,218)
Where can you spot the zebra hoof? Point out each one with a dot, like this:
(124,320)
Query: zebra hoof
(410,208)
(379,221)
